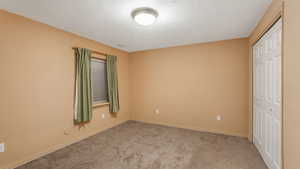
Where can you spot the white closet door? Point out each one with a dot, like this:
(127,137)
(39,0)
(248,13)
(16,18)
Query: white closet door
(267,96)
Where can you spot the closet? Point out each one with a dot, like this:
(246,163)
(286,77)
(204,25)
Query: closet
(267,91)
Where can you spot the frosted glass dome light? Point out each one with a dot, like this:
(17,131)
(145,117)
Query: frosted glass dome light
(144,16)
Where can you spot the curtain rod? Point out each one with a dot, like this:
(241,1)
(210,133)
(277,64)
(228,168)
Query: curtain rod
(93,51)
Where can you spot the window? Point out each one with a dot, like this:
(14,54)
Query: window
(99,81)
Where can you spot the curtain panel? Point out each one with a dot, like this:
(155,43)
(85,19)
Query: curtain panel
(112,83)
(83,87)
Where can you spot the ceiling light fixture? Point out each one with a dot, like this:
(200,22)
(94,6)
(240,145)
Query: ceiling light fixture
(144,16)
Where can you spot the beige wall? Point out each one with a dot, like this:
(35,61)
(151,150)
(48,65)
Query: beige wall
(191,85)
(291,98)
(37,79)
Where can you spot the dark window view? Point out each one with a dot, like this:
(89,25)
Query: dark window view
(99,82)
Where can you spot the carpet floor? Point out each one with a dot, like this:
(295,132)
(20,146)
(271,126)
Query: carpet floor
(135,145)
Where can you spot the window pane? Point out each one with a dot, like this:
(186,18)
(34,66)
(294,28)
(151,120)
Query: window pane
(99,82)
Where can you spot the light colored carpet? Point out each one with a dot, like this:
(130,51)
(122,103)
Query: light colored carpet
(135,145)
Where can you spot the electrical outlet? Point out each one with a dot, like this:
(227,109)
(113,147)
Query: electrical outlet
(219,117)
(2,147)
(103,116)
(66,132)
(156,111)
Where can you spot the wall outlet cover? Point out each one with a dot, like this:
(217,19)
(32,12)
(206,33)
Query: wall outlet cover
(103,116)
(219,117)
(2,147)
(66,132)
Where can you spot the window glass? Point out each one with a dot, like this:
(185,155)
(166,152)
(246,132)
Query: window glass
(99,81)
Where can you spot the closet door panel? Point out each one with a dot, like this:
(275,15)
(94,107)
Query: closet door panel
(267,96)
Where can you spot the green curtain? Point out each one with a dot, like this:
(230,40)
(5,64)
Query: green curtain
(83,88)
(112,83)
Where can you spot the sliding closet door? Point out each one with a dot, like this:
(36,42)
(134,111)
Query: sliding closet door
(267,101)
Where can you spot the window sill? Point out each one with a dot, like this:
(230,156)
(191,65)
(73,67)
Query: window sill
(100,104)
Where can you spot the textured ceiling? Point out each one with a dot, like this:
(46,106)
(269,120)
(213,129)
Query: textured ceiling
(180,22)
